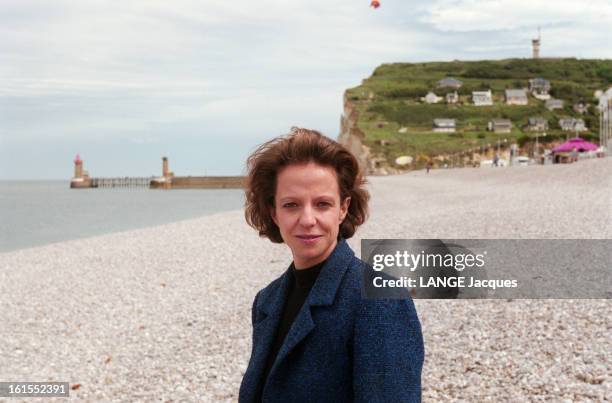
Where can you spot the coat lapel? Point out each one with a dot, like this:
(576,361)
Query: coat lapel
(269,312)
(323,293)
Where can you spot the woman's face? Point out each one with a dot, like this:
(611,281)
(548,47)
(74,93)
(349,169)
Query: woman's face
(308,211)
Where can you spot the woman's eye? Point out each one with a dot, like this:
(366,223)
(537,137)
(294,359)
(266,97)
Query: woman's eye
(289,205)
(324,204)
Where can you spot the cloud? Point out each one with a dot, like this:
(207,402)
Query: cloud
(155,73)
(496,15)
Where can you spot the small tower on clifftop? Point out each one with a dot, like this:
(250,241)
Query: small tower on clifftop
(535,45)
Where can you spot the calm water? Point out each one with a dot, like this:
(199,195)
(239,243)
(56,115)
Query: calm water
(36,213)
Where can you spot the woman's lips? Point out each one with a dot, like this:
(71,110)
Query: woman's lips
(308,239)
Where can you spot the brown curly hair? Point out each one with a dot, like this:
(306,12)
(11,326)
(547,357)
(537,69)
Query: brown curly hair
(301,146)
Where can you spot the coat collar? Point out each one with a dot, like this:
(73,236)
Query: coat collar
(323,293)
(324,289)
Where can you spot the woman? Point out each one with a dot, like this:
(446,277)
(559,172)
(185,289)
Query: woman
(315,339)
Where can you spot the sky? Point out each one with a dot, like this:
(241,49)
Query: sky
(202,82)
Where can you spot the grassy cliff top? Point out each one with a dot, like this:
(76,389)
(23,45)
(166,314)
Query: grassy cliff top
(391,99)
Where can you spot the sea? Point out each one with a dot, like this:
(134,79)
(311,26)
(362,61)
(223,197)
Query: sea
(34,213)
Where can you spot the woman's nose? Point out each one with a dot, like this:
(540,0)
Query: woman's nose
(307,218)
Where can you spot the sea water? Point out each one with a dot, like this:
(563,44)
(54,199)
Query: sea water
(35,213)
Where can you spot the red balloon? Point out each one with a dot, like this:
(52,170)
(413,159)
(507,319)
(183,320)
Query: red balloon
(375,4)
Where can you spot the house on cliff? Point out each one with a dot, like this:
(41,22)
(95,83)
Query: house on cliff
(537,124)
(516,97)
(500,126)
(539,87)
(444,125)
(553,104)
(452,98)
(482,98)
(572,124)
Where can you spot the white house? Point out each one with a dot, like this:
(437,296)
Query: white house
(482,98)
(553,104)
(537,124)
(539,87)
(572,124)
(444,125)
(500,126)
(516,97)
(452,98)
(604,98)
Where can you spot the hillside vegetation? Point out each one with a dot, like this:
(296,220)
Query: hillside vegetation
(391,99)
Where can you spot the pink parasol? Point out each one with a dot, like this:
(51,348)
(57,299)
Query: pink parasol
(578,143)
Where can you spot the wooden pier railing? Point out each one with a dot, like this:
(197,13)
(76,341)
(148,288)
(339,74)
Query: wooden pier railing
(180,182)
(127,182)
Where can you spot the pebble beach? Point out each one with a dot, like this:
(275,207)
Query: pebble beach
(163,313)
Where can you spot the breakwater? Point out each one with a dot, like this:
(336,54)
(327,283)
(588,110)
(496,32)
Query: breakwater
(170,182)
(198,182)
(121,182)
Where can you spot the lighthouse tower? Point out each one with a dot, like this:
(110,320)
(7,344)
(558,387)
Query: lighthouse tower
(78,167)
(81,178)
(164,181)
(165,171)
(535,45)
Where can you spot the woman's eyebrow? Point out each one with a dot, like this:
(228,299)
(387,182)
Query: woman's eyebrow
(295,197)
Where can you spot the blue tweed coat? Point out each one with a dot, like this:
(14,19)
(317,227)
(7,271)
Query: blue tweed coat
(341,347)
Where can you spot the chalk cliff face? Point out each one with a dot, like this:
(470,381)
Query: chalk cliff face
(352,137)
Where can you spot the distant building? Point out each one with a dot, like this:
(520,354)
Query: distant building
(165,170)
(452,98)
(450,82)
(482,98)
(572,124)
(500,126)
(539,87)
(535,46)
(432,98)
(516,97)
(444,125)
(580,107)
(537,124)
(605,98)
(553,104)
(81,177)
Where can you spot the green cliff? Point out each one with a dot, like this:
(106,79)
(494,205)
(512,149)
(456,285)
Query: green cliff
(387,117)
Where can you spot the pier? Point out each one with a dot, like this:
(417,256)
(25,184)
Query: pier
(127,182)
(167,180)
(200,182)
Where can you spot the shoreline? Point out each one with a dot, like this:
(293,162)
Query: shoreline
(449,173)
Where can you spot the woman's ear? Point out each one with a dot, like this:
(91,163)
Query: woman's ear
(344,208)
(273,215)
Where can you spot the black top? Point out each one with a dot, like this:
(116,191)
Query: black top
(299,287)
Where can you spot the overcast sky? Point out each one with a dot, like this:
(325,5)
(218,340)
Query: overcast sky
(204,82)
